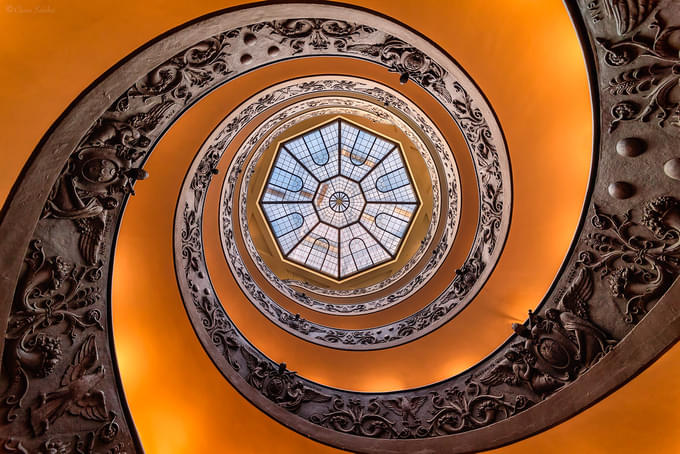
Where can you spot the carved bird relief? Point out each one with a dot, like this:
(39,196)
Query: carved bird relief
(405,407)
(591,341)
(517,368)
(65,202)
(77,395)
(504,371)
(575,299)
(279,384)
(91,236)
(628,14)
(131,132)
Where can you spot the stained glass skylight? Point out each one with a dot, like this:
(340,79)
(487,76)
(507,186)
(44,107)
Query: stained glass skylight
(339,199)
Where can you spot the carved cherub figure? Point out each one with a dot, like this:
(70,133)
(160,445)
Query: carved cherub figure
(65,202)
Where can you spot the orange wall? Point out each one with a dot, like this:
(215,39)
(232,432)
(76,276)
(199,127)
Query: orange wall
(51,50)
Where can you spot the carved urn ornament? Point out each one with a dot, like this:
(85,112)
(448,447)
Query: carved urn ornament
(340,197)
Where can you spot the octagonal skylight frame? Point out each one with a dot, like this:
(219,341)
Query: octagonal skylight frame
(292,197)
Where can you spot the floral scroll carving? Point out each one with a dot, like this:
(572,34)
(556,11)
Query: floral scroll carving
(638,269)
(355,417)
(551,350)
(634,266)
(279,384)
(58,301)
(56,304)
(649,85)
(58,390)
(408,61)
(319,34)
(177,79)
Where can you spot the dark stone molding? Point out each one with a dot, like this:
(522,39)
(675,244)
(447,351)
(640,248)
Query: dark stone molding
(612,310)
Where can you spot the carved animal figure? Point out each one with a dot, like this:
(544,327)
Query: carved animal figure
(405,407)
(575,299)
(64,201)
(591,341)
(516,369)
(129,133)
(91,236)
(77,395)
(628,14)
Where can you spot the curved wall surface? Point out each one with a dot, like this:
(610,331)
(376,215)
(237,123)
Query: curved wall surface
(527,60)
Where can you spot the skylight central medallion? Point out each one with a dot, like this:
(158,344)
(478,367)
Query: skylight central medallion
(339,199)
(339,202)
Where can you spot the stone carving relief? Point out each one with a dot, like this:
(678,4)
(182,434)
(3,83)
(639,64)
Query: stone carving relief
(53,292)
(317,34)
(645,63)
(59,301)
(58,387)
(285,119)
(57,304)
(78,394)
(85,192)
(399,57)
(548,352)
(178,80)
(638,270)
(479,263)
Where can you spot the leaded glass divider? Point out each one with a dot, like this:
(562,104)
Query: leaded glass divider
(339,199)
